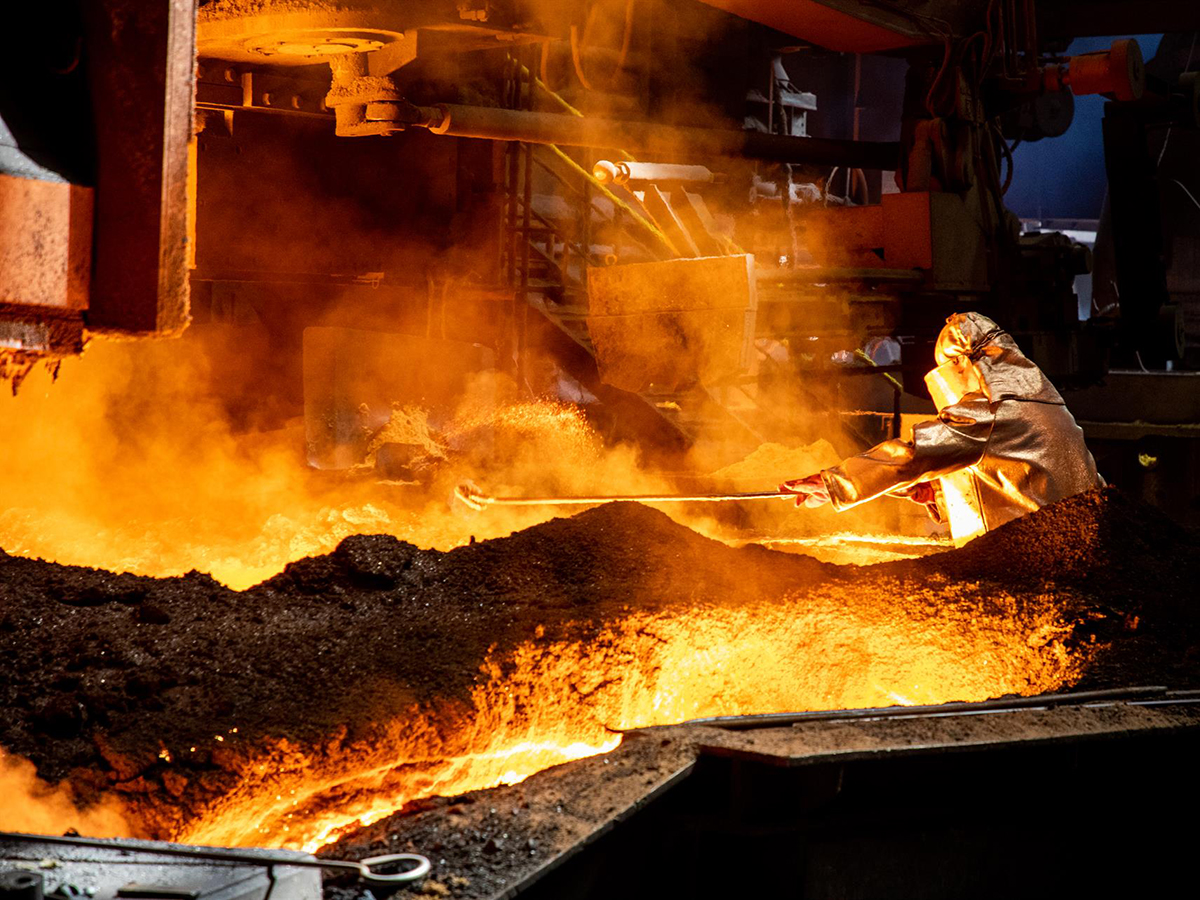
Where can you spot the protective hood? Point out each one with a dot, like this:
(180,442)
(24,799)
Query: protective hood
(974,355)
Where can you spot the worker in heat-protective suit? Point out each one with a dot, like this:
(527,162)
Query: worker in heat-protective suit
(1003,443)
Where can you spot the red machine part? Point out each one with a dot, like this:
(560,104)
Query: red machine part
(1118,72)
(895,233)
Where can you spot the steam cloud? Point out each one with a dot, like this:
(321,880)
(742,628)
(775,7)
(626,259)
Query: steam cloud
(33,806)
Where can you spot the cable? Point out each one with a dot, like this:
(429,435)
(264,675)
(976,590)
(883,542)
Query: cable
(989,52)
(544,65)
(577,45)
(627,39)
(76,56)
(1183,187)
(979,63)
(938,77)
(860,180)
(577,60)
(1187,65)
(828,181)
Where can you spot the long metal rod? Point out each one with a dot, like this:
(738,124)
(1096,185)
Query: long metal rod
(623,172)
(472,497)
(498,124)
(898,712)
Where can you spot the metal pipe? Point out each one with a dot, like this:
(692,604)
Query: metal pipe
(622,172)
(522,322)
(840,274)
(497,124)
(769,720)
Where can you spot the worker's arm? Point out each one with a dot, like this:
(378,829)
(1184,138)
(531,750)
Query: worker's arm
(957,438)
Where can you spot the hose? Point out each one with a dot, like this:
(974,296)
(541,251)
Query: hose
(577,59)
(622,57)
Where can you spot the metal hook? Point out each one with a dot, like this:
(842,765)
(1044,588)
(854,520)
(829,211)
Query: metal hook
(366,869)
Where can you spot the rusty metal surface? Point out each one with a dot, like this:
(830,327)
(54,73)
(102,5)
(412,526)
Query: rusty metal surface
(853,27)
(132,868)
(40,329)
(501,843)
(672,323)
(807,743)
(286,33)
(227,89)
(140,65)
(45,242)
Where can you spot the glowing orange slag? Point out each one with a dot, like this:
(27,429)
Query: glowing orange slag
(545,703)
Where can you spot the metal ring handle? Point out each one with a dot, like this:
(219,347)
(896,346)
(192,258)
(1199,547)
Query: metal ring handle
(370,877)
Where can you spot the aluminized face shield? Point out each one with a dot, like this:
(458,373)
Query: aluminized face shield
(953,380)
(965,334)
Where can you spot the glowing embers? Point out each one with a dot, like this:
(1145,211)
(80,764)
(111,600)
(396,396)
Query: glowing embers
(305,798)
(860,549)
(546,702)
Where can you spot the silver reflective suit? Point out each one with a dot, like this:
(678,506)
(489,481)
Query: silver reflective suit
(1003,443)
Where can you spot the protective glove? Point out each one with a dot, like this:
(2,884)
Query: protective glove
(810,491)
(925,493)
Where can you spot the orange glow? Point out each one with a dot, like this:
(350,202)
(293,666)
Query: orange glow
(126,465)
(860,548)
(546,703)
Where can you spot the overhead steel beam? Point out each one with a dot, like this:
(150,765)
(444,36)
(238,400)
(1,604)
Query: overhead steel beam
(140,59)
(849,27)
(684,142)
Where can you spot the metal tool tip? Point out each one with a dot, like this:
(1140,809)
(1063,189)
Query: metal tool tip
(470,496)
